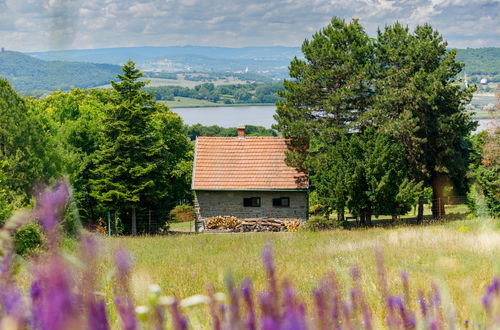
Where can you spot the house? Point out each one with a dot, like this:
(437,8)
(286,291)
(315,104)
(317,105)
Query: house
(246,177)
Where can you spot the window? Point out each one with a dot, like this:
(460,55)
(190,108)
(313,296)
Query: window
(282,201)
(251,201)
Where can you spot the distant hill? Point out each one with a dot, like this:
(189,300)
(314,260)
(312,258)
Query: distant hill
(27,73)
(270,61)
(481,62)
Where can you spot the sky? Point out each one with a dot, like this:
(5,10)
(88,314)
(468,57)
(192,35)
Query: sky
(40,25)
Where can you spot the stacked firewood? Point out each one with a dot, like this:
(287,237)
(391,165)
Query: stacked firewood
(231,224)
(261,225)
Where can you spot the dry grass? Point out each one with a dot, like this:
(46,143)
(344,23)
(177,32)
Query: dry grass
(460,256)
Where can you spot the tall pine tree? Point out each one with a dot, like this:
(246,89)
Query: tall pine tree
(131,167)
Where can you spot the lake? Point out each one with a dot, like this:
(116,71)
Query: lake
(246,115)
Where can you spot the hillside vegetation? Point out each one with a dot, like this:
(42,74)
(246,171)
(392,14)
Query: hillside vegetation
(28,74)
(481,63)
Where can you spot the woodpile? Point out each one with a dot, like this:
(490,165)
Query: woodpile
(218,224)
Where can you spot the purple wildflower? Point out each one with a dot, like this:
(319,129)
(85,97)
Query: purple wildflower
(179,322)
(98,319)
(268,323)
(212,305)
(293,315)
(492,290)
(234,307)
(126,310)
(422,303)
(123,300)
(382,278)
(56,303)
(49,206)
(406,286)
(246,290)
(273,301)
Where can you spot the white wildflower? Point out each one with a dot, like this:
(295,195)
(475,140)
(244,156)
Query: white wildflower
(166,300)
(155,288)
(141,310)
(197,299)
(220,296)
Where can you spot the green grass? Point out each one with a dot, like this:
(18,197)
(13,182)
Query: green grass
(186,226)
(187,102)
(462,256)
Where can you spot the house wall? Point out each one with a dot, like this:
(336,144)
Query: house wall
(230,203)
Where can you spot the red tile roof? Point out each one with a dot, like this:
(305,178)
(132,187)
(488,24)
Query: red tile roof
(250,163)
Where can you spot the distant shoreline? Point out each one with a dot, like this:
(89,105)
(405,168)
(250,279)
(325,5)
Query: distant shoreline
(222,105)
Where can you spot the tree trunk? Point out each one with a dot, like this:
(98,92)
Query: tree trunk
(362,218)
(340,216)
(368,217)
(438,183)
(134,222)
(420,214)
(394,218)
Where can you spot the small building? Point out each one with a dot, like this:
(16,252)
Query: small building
(246,177)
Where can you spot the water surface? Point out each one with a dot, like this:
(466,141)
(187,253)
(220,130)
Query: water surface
(249,115)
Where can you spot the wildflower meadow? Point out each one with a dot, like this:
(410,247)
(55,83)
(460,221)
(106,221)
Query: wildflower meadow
(62,288)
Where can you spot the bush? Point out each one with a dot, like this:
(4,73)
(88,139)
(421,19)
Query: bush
(28,239)
(182,213)
(320,222)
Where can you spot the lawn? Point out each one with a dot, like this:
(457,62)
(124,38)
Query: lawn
(460,256)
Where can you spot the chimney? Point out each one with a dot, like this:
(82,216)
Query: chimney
(241,132)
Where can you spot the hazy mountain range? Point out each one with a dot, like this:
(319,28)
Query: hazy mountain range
(85,68)
(270,61)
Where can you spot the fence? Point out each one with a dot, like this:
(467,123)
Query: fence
(147,221)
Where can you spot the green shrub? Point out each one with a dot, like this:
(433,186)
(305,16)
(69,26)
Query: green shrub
(28,239)
(182,213)
(321,222)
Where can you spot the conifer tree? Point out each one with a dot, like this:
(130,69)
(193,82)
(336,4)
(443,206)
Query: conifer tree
(132,168)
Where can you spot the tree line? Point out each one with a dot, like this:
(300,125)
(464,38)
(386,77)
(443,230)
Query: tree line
(226,94)
(119,148)
(379,122)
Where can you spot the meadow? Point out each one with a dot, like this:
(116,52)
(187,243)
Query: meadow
(461,257)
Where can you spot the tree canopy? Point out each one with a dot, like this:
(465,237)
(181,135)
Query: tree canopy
(402,84)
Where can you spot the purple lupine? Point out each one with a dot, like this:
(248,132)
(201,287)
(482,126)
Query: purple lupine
(123,300)
(491,291)
(234,319)
(126,310)
(246,291)
(406,287)
(212,305)
(267,257)
(382,277)
(97,316)
(422,303)
(293,315)
(407,317)
(268,323)
(346,312)
(57,305)
(95,308)
(49,206)
(358,298)
(321,308)
(179,322)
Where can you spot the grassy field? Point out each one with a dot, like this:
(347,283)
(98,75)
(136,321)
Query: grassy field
(461,256)
(186,226)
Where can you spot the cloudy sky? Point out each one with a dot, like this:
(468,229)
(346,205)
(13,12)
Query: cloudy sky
(36,25)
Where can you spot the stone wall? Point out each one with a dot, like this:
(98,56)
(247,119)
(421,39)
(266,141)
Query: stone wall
(230,203)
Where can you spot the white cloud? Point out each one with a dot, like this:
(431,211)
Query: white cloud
(45,24)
